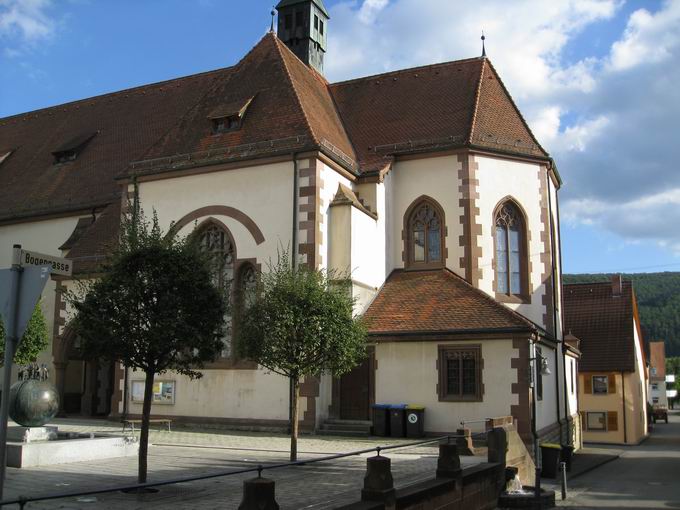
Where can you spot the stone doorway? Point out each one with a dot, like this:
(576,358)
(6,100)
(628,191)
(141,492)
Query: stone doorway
(353,393)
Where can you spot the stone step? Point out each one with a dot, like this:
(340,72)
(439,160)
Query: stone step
(348,433)
(353,422)
(346,426)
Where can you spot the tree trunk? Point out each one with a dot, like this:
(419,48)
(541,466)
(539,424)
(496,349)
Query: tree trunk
(294,419)
(144,433)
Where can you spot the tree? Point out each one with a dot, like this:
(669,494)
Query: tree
(154,309)
(301,324)
(34,341)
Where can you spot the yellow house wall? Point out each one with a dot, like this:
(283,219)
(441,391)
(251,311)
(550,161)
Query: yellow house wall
(602,403)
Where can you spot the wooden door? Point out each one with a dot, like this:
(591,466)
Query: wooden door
(354,392)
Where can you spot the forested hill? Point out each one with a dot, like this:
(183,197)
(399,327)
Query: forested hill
(658,296)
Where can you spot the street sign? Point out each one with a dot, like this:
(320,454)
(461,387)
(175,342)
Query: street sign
(33,280)
(59,265)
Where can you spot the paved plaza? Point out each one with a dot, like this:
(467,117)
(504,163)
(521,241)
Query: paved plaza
(192,452)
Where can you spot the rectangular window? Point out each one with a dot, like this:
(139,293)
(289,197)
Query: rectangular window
(163,392)
(655,386)
(596,421)
(316,22)
(460,373)
(655,400)
(573,378)
(321,26)
(539,376)
(515,281)
(600,384)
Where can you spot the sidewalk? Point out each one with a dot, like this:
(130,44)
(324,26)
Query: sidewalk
(591,457)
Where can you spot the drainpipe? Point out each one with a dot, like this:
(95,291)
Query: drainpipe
(294,256)
(534,431)
(125,393)
(623,402)
(554,299)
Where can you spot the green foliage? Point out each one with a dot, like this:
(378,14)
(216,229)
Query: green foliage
(34,341)
(155,308)
(301,323)
(658,296)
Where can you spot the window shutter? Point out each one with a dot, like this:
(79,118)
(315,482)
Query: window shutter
(587,384)
(612,421)
(612,383)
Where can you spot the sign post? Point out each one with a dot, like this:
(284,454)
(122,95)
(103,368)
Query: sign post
(20,289)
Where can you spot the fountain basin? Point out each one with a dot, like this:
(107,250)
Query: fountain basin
(527,499)
(70,447)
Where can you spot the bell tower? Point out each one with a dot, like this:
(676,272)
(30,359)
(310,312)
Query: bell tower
(303,27)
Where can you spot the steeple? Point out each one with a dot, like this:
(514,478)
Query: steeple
(303,27)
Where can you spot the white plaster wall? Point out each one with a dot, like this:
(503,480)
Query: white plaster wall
(572,385)
(367,247)
(498,179)
(436,177)
(265,194)
(546,409)
(407,373)
(638,390)
(45,237)
(331,179)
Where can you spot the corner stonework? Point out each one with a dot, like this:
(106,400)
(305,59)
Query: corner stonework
(469,240)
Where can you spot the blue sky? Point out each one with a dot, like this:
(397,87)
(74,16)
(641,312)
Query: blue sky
(596,79)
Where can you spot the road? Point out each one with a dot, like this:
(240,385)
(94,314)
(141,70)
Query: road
(645,476)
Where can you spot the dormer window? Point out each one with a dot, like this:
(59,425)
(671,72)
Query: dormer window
(229,117)
(70,150)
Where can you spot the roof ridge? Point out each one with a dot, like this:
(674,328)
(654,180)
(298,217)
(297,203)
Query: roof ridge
(105,95)
(408,70)
(491,300)
(478,93)
(277,45)
(514,105)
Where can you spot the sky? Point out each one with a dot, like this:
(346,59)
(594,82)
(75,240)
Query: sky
(597,80)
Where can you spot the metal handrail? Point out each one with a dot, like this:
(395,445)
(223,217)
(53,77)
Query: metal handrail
(22,501)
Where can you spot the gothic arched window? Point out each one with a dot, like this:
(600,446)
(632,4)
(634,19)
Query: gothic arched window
(510,234)
(217,243)
(425,226)
(247,286)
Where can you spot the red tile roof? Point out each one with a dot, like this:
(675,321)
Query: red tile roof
(657,360)
(97,242)
(360,123)
(437,301)
(604,324)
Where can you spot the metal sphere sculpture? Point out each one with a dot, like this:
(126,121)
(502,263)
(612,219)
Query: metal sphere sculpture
(33,401)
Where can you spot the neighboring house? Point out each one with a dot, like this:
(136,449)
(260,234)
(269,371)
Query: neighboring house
(426,183)
(612,370)
(657,374)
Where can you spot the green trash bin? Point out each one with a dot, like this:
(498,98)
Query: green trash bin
(397,420)
(381,420)
(415,421)
(550,460)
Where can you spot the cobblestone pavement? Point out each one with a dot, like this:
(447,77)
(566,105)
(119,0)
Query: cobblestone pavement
(185,453)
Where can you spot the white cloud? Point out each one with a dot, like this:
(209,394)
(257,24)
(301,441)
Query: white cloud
(608,117)
(25,22)
(648,38)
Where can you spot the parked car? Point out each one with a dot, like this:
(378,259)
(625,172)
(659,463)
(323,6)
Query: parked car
(659,412)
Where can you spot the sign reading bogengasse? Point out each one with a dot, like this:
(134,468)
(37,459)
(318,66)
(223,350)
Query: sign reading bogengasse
(59,265)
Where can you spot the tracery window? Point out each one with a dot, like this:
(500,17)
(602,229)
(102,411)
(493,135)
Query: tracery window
(425,227)
(460,373)
(217,243)
(247,286)
(510,256)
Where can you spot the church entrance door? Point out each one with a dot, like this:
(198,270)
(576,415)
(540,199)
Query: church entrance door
(355,394)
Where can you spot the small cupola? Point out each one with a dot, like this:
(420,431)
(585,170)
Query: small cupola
(303,27)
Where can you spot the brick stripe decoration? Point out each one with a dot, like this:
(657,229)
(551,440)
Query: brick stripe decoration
(310,218)
(521,411)
(469,240)
(546,253)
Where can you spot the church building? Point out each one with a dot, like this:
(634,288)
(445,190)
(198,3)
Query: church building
(426,183)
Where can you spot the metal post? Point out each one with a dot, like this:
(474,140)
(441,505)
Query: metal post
(563,470)
(10,346)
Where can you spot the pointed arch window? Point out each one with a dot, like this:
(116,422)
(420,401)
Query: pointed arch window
(217,243)
(247,286)
(511,266)
(425,226)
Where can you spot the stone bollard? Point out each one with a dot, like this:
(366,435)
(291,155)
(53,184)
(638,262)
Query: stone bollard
(497,442)
(258,494)
(378,482)
(448,463)
(464,442)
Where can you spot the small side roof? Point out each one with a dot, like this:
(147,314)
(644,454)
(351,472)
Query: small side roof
(438,301)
